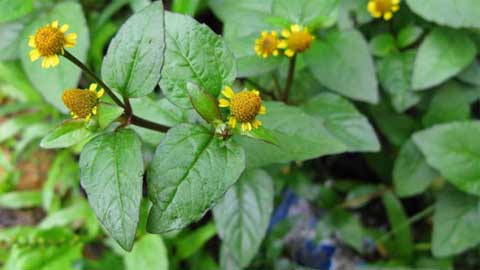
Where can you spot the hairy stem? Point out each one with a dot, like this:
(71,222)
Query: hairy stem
(288,84)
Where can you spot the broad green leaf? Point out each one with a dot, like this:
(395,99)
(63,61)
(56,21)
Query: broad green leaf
(303,11)
(10,39)
(452,149)
(225,9)
(60,249)
(442,55)
(454,13)
(449,103)
(411,174)
(68,134)
(134,58)
(53,81)
(300,136)
(343,120)
(262,134)
(12,73)
(188,7)
(342,62)
(12,10)
(383,45)
(16,124)
(455,223)
(395,75)
(111,167)
(353,13)
(203,103)
(149,253)
(243,215)
(471,74)
(194,54)
(408,35)
(108,113)
(398,219)
(20,199)
(191,243)
(189,173)
(138,5)
(227,261)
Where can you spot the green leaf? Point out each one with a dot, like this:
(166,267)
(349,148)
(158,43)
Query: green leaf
(455,223)
(203,103)
(300,136)
(15,125)
(108,113)
(454,13)
(225,9)
(60,249)
(53,81)
(471,74)
(149,253)
(344,121)
(449,103)
(383,45)
(192,243)
(194,54)
(262,134)
(188,7)
(68,134)
(442,55)
(21,199)
(111,167)
(453,150)
(411,174)
(342,62)
(135,58)
(395,75)
(10,39)
(303,11)
(398,219)
(13,74)
(189,173)
(408,35)
(243,215)
(12,10)
(347,226)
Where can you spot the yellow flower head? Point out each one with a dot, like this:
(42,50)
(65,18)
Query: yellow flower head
(49,42)
(244,108)
(82,103)
(383,8)
(267,44)
(297,39)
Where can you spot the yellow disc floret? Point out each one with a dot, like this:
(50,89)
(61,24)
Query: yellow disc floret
(267,44)
(50,41)
(383,8)
(82,102)
(244,106)
(297,40)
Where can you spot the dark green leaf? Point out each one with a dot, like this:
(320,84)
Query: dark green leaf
(68,134)
(471,74)
(453,150)
(194,54)
(408,35)
(53,81)
(454,13)
(411,174)
(383,45)
(442,55)
(455,223)
(243,215)
(193,242)
(342,62)
(134,59)
(189,173)
(203,103)
(111,167)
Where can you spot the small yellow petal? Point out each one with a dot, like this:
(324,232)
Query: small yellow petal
(228,92)
(223,103)
(88,117)
(256,92)
(31,41)
(93,87)
(94,110)
(263,110)
(232,122)
(55,60)
(372,7)
(55,24)
(286,33)
(395,2)
(282,44)
(295,28)
(70,40)
(275,53)
(289,53)
(256,123)
(34,55)
(100,93)
(395,8)
(64,28)
(387,16)
(246,126)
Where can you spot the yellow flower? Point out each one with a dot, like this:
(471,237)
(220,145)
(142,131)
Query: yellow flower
(49,42)
(383,8)
(83,103)
(297,39)
(244,108)
(267,44)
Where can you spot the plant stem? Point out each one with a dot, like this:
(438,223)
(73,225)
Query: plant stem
(94,77)
(138,121)
(418,216)
(288,84)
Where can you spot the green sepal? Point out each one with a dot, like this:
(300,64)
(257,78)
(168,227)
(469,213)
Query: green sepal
(262,134)
(203,103)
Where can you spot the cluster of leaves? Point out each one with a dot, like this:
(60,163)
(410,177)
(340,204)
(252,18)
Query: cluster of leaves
(401,95)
